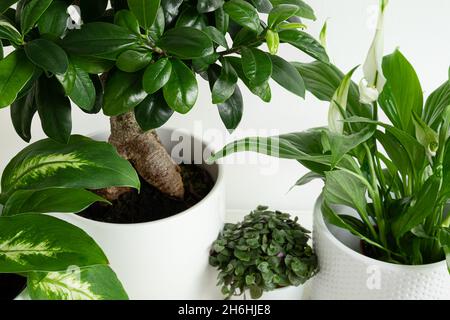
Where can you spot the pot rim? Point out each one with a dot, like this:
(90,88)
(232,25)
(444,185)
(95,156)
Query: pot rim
(319,221)
(215,189)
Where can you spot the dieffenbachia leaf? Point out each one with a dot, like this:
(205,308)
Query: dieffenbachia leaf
(33,242)
(87,283)
(15,72)
(47,164)
(60,200)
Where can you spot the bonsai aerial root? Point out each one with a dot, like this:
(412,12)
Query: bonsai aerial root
(148,156)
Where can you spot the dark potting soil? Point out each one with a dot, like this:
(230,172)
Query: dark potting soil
(151,204)
(11,285)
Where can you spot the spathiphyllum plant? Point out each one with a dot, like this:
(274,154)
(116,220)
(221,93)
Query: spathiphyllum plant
(266,251)
(137,62)
(59,260)
(395,175)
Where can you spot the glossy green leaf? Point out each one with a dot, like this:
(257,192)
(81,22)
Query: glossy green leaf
(54,109)
(245,36)
(281,13)
(287,76)
(67,79)
(257,65)
(9,32)
(49,164)
(92,64)
(263,6)
(54,20)
(22,113)
(5,4)
(47,55)
(222,20)
(231,110)
(83,90)
(303,41)
(305,11)
(156,75)
(436,104)
(123,92)
(99,92)
(89,283)
(133,60)
(216,36)
(157,29)
(181,90)
(186,43)
(59,200)
(99,39)
(32,242)
(145,11)
(190,17)
(171,9)
(31,12)
(92,10)
(153,112)
(15,72)
(272,41)
(225,85)
(404,91)
(126,19)
(244,14)
(204,6)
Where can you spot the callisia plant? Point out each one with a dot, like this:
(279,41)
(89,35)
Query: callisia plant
(395,175)
(266,251)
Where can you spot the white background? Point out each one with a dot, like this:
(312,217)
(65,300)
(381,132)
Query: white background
(421,30)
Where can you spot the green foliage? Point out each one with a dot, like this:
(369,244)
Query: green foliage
(266,251)
(394,175)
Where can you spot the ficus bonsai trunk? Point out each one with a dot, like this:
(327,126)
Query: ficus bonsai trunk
(146,153)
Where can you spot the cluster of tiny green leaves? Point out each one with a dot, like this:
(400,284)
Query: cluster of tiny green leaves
(149,53)
(266,251)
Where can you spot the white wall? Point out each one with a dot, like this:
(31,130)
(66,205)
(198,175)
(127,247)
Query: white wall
(420,30)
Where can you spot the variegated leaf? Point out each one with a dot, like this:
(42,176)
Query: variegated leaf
(90,283)
(82,163)
(50,200)
(32,242)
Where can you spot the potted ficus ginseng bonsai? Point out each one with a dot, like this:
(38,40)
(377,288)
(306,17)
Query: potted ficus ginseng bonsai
(381,227)
(266,256)
(137,61)
(52,258)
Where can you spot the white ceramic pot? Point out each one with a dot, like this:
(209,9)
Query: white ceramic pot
(286,293)
(167,258)
(347,274)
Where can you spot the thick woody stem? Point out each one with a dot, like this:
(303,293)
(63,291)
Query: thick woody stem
(148,156)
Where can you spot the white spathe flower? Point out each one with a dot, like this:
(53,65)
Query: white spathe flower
(372,67)
(74,20)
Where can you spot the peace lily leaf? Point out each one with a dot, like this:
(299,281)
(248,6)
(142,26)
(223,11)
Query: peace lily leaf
(133,60)
(49,164)
(33,242)
(181,90)
(257,65)
(204,6)
(244,14)
(5,4)
(15,71)
(123,92)
(128,20)
(416,214)
(9,32)
(47,55)
(303,41)
(225,85)
(22,113)
(152,112)
(436,104)
(87,283)
(287,76)
(281,13)
(54,20)
(99,39)
(307,178)
(405,91)
(57,200)
(304,11)
(156,75)
(54,109)
(145,11)
(186,43)
(31,12)
(83,90)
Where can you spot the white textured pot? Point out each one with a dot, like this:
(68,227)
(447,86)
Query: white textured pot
(347,274)
(286,293)
(167,258)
